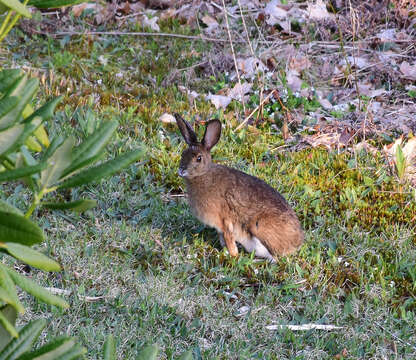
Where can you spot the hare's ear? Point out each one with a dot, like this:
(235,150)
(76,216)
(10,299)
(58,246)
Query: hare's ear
(212,134)
(186,130)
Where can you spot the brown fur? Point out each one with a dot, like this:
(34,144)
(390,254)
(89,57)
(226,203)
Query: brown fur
(238,205)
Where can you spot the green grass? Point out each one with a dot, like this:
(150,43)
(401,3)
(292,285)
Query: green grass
(162,277)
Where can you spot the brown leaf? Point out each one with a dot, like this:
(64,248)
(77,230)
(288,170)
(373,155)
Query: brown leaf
(219,101)
(408,71)
(240,90)
(77,10)
(299,63)
(318,11)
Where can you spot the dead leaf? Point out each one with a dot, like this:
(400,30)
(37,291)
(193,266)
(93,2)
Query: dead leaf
(346,136)
(125,8)
(408,71)
(250,66)
(356,61)
(318,11)
(367,90)
(239,90)
(167,14)
(210,22)
(387,35)
(219,101)
(299,63)
(325,103)
(151,23)
(293,80)
(192,95)
(409,150)
(167,119)
(327,140)
(274,13)
(242,311)
(366,146)
(77,10)
(409,153)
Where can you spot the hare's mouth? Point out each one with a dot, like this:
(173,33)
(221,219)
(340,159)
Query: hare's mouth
(182,172)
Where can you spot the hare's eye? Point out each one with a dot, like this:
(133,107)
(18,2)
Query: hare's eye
(199,158)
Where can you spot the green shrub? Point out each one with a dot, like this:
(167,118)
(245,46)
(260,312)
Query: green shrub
(45,167)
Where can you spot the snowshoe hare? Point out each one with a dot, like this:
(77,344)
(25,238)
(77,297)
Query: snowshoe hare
(241,207)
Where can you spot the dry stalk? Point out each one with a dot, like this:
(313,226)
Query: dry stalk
(344,53)
(128,33)
(253,112)
(233,52)
(355,30)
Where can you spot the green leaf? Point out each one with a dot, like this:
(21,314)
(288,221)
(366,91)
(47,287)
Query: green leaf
(8,291)
(42,136)
(9,138)
(82,164)
(106,169)
(187,355)
(48,4)
(19,173)
(7,104)
(28,129)
(400,162)
(27,156)
(16,228)
(148,352)
(27,337)
(27,111)
(57,163)
(8,208)
(56,142)
(59,348)
(54,344)
(46,111)
(24,89)
(17,6)
(77,206)
(37,291)
(32,144)
(8,78)
(31,257)
(92,145)
(10,314)
(8,326)
(26,159)
(110,348)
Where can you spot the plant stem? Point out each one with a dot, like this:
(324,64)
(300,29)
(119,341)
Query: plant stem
(9,27)
(4,24)
(5,27)
(35,203)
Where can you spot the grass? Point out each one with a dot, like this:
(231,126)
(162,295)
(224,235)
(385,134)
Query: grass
(161,276)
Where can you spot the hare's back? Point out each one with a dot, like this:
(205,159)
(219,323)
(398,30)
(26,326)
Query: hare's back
(251,194)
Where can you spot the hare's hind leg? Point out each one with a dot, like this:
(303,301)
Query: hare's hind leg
(251,243)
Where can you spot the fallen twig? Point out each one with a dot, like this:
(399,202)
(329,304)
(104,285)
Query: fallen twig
(396,337)
(304,327)
(127,33)
(57,291)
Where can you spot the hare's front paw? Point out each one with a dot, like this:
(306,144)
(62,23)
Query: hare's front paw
(222,241)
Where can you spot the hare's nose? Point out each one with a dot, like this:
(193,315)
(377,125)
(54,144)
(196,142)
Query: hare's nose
(182,172)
